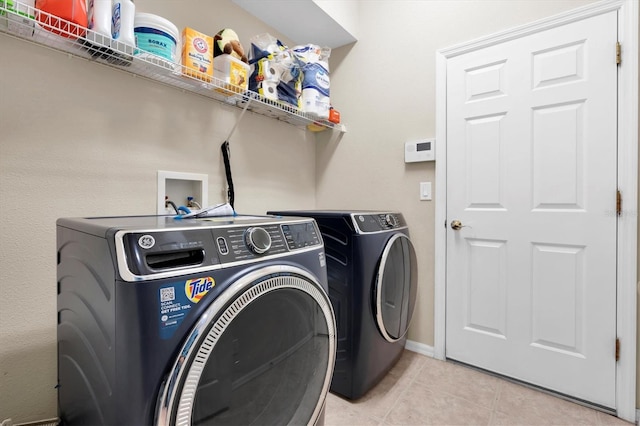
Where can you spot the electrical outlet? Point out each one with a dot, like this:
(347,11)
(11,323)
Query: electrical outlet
(178,186)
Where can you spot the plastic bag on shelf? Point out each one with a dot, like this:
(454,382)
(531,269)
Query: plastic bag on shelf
(314,98)
(275,71)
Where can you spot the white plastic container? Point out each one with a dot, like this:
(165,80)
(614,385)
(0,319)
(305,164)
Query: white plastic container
(20,22)
(231,70)
(99,21)
(156,35)
(123,15)
(21,7)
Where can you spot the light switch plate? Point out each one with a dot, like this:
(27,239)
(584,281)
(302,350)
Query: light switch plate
(425,191)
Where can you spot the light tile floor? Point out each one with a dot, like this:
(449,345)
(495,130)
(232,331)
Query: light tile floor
(420,390)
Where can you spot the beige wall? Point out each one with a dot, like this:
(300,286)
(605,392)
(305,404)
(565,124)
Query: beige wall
(80,139)
(385,87)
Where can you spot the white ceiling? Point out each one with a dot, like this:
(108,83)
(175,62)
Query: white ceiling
(304,21)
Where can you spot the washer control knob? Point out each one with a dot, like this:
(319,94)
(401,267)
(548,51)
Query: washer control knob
(257,239)
(391,220)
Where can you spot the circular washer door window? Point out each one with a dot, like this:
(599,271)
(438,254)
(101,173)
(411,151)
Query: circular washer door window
(264,354)
(396,288)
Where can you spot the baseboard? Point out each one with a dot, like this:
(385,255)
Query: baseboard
(45,422)
(420,348)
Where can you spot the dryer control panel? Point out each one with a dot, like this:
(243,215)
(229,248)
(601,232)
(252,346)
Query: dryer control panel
(377,222)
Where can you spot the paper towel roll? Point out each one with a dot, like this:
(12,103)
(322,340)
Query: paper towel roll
(271,72)
(267,70)
(268,89)
(315,103)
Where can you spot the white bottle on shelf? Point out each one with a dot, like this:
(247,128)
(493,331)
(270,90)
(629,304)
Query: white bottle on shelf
(21,21)
(99,20)
(123,15)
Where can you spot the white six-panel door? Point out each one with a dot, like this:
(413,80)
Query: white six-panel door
(531,176)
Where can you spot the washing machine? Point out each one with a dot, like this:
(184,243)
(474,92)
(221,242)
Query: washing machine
(372,273)
(192,321)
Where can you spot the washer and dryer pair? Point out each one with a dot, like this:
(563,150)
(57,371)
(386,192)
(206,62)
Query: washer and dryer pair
(193,321)
(227,320)
(372,276)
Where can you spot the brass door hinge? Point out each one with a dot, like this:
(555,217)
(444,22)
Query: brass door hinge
(617,349)
(618,203)
(618,53)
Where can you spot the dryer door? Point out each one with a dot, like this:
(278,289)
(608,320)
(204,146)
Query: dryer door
(263,353)
(396,288)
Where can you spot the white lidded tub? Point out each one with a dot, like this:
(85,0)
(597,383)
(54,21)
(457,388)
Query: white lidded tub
(156,35)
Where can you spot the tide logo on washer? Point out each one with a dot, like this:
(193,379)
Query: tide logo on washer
(196,289)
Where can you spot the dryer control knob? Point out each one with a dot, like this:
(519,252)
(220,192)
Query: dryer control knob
(391,220)
(257,240)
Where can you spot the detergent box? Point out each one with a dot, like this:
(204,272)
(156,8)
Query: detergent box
(197,54)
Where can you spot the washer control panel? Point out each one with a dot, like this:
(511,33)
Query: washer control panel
(245,243)
(377,222)
(154,252)
(251,242)
(257,239)
(162,246)
(301,235)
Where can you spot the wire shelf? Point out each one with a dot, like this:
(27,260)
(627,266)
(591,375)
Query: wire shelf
(27,23)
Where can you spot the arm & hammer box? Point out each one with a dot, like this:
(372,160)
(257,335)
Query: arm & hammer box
(197,54)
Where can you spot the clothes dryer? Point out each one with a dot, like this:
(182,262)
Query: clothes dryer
(193,321)
(372,274)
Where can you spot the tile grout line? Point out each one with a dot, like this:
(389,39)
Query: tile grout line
(403,391)
(496,398)
(464,398)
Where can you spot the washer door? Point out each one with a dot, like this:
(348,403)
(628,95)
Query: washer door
(396,288)
(263,353)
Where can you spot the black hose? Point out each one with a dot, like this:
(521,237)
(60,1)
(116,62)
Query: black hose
(227,170)
(172,205)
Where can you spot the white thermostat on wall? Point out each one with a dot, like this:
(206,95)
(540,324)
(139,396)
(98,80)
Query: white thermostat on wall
(420,150)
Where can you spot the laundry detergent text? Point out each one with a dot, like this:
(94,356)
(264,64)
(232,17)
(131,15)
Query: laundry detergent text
(168,307)
(197,288)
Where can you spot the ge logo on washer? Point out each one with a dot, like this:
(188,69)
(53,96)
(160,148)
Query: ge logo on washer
(146,241)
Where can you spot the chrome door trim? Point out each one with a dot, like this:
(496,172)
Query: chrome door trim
(380,279)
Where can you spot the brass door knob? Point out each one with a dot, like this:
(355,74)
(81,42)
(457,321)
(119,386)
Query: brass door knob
(456,225)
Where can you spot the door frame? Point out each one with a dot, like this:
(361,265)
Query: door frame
(627,176)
